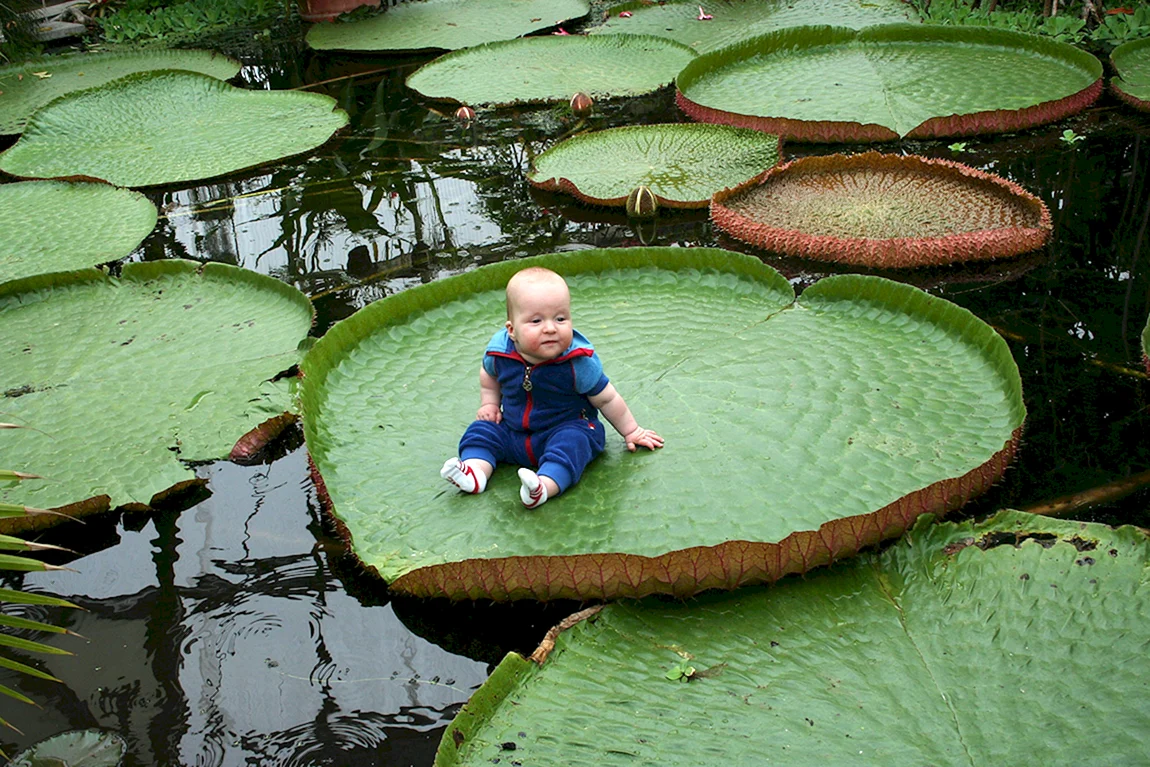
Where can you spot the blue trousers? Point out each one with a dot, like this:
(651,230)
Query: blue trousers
(561,452)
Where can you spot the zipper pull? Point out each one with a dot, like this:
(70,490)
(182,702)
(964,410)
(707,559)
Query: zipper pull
(527,378)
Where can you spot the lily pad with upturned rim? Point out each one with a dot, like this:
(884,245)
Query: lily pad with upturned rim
(977,644)
(91,224)
(883,211)
(843,416)
(736,20)
(682,163)
(30,85)
(1132,63)
(552,68)
(444,24)
(120,379)
(880,83)
(167,127)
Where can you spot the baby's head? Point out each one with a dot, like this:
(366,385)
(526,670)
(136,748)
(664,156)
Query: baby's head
(539,314)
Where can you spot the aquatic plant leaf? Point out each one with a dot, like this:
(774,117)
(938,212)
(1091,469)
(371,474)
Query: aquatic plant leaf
(796,432)
(167,127)
(123,378)
(1132,63)
(962,644)
(445,24)
(91,224)
(1146,345)
(737,20)
(552,68)
(22,93)
(683,164)
(76,748)
(880,83)
(883,210)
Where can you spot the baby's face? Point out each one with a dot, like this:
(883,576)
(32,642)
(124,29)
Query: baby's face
(540,324)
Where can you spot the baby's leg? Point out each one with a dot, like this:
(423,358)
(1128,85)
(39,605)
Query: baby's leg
(480,449)
(566,451)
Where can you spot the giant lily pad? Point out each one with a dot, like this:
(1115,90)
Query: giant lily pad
(445,24)
(552,68)
(985,645)
(682,164)
(1132,63)
(91,224)
(883,210)
(796,431)
(733,21)
(166,127)
(879,83)
(119,379)
(26,87)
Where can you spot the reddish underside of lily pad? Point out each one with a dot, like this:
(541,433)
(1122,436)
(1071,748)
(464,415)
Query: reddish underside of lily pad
(885,211)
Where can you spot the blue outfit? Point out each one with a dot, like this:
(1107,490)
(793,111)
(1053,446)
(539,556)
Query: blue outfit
(548,420)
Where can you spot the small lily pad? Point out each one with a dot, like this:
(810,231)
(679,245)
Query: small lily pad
(552,68)
(23,92)
(1132,63)
(91,224)
(444,24)
(884,211)
(167,127)
(682,164)
(77,748)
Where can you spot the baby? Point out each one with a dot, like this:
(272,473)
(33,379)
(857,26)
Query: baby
(540,389)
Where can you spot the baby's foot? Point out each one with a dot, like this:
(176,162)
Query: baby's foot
(463,476)
(533,493)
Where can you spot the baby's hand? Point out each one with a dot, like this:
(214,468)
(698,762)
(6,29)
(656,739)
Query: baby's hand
(644,437)
(489,413)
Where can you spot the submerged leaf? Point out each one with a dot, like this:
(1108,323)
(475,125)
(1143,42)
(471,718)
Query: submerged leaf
(969,644)
(78,748)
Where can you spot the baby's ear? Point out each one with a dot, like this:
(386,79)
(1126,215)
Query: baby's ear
(510,329)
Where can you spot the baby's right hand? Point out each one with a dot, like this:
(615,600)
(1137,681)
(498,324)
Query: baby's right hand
(489,413)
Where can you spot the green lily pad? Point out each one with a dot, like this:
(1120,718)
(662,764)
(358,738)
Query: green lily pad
(167,127)
(682,164)
(26,87)
(552,68)
(980,645)
(880,83)
(736,20)
(445,24)
(76,748)
(91,224)
(796,431)
(119,379)
(1132,63)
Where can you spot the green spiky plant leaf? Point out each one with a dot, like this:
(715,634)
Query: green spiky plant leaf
(552,68)
(444,24)
(30,85)
(796,431)
(1132,63)
(977,644)
(170,362)
(880,83)
(682,164)
(735,20)
(166,127)
(91,224)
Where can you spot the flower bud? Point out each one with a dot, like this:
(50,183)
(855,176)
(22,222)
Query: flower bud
(465,114)
(641,203)
(581,104)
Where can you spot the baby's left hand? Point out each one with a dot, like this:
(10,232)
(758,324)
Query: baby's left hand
(643,437)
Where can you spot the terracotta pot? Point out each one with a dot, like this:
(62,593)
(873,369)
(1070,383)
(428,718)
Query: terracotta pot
(326,10)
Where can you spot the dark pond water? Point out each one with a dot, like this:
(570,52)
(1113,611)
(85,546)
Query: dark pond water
(236,632)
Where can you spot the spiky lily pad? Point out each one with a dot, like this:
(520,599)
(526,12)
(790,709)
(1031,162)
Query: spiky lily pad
(91,224)
(120,379)
(167,127)
(964,644)
(26,87)
(1132,63)
(76,748)
(733,21)
(552,68)
(879,83)
(683,164)
(796,431)
(883,210)
(445,24)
